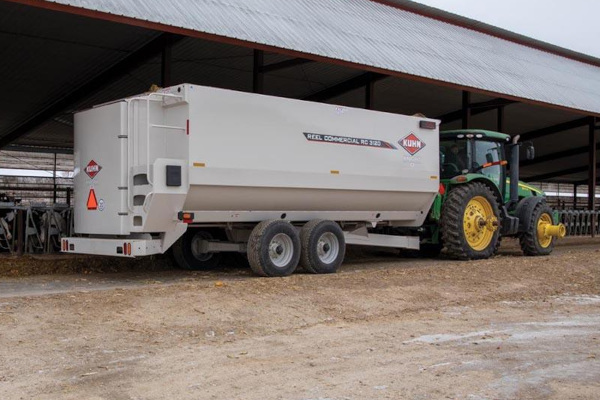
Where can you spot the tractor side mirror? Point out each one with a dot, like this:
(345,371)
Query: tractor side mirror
(529,151)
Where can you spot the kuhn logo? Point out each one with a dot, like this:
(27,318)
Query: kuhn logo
(92,169)
(412,144)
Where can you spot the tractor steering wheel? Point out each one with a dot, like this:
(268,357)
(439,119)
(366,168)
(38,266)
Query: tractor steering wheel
(450,169)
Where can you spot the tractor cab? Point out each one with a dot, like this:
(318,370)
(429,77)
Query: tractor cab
(486,154)
(474,152)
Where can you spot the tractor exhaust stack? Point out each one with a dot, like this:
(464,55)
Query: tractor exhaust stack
(514,172)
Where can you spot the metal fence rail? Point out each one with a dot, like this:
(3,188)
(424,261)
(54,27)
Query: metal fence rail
(34,228)
(580,222)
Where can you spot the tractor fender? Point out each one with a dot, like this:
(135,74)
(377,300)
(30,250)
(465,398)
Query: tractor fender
(525,208)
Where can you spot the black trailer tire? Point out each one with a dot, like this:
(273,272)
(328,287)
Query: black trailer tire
(531,243)
(465,209)
(185,256)
(430,250)
(323,246)
(274,248)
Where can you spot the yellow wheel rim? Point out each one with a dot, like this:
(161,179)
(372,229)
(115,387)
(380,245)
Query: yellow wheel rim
(543,239)
(479,223)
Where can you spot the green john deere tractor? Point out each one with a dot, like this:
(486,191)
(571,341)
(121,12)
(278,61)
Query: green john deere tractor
(480,202)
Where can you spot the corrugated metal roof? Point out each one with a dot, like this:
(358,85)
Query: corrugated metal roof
(367,33)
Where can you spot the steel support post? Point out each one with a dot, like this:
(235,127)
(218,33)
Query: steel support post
(20,232)
(258,76)
(592,171)
(466,109)
(369,92)
(500,119)
(54,181)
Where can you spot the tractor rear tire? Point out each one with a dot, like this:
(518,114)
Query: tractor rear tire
(470,223)
(532,243)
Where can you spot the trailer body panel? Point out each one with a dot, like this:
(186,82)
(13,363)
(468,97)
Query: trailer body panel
(228,157)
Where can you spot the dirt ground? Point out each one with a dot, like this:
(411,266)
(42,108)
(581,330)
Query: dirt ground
(384,327)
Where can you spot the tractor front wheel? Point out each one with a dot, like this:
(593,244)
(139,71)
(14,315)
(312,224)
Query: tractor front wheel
(535,242)
(470,223)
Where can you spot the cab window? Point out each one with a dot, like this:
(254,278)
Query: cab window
(488,152)
(455,157)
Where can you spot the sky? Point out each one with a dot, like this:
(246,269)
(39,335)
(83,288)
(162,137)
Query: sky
(572,24)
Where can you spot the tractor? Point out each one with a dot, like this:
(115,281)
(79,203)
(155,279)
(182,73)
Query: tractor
(480,200)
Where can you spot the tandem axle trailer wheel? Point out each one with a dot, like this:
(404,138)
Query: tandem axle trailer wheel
(274,248)
(323,246)
(188,255)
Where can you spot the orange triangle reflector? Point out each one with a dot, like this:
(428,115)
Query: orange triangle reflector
(92,203)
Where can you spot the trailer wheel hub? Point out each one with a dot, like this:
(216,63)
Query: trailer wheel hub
(198,244)
(281,249)
(479,223)
(328,248)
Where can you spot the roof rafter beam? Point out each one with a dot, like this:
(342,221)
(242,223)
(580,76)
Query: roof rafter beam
(136,58)
(345,86)
(492,104)
(559,154)
(550,130)
(569,171)
(583,182)
(476,108)
(294,62)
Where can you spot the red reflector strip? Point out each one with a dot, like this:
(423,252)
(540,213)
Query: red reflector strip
(92,203)
(442,189)
(127,249)
(187,127)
